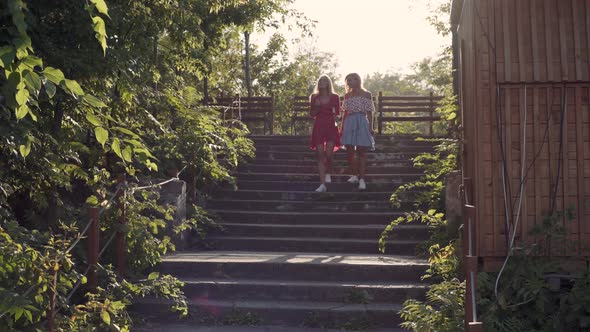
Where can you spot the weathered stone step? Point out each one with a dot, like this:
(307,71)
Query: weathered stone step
(312,155)
(304,195)
(308,206)
(311,244)
(378,147)
(254,168)
(295,290)
(414,232)
(286,265)
(340,163)
(305,218)
(379,139)
(336,178)
(284,313)
(182,326)
(311,185)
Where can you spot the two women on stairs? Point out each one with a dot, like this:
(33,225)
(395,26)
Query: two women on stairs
(357,127)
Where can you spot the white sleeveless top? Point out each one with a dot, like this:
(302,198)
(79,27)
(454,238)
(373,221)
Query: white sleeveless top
(355,104)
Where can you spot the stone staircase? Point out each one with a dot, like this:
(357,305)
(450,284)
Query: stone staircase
(291,257)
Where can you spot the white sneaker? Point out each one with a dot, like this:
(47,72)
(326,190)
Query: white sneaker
(362,184)
(353,179)
(321,189)
(328,178)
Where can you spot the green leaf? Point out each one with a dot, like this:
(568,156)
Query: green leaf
(101,135)
(93,119)
(101,33)
(54,75)
(452,116)
(151,166)
(50,89)
(153,275)
(116,147)
(25,149)
(127,154)
(18,313)
(105,317)
(22,44)
(33,82)
(101,6)
(431,212)
(32,61)
(125,131)
(92,200)
(22,111)
(84,280)
(74,87)
(93,101)
(22,96)
(7,54)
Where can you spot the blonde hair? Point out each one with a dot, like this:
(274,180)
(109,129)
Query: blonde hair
(316,90)
(358,77)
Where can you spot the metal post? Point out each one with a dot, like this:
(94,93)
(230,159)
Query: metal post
(93,246)
(121,248)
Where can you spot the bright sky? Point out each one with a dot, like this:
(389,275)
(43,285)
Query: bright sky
(370,36)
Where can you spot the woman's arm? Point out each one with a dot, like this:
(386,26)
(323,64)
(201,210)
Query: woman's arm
(370,111)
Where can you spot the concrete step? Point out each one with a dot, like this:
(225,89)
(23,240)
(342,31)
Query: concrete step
(283,168)
(276,266)
(282,313)
(182,326)
(370,178)
(304,139)
(310,183)
(310,244)
(295,290)
(270,147)
(340,164)
(304,195)
(340,155)
(407,232)
(308,206)
(306,218)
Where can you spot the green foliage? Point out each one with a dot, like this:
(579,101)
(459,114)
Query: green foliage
(117,96)
(525,300)
(442,312)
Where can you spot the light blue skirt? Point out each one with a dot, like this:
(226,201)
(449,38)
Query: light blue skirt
(355,131)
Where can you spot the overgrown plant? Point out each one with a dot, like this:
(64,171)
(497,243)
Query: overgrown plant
(525,299)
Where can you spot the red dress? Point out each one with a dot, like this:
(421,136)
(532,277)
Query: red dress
(324,125)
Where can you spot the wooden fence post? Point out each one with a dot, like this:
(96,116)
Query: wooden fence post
(272,113)
(431,113)
(93,246)
(380,107)
(121,250)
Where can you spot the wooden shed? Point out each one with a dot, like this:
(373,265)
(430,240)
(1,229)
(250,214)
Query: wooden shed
(523,80)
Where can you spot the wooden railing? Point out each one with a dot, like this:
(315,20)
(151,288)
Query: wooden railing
(252,111)
(414,109)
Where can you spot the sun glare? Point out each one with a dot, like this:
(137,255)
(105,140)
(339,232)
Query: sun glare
(371,35)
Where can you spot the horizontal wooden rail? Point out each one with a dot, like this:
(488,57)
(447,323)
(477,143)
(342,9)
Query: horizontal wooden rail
(250,110)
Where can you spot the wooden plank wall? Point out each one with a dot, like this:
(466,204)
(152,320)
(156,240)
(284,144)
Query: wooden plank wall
(543,45)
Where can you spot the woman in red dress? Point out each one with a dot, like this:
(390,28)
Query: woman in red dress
(325,139)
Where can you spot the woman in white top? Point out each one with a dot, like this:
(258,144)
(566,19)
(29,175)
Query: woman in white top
(357,127)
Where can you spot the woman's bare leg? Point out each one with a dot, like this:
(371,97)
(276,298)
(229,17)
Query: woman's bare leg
(362,151)
(351,159)
(321,162)
(329,156)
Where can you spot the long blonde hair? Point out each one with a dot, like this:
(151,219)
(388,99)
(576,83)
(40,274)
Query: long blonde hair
(316,90)
(358,77)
